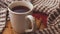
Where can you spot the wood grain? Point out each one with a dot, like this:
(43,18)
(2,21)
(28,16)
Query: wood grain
(9,29)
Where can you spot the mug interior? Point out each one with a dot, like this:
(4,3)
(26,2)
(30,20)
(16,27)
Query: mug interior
(20,3)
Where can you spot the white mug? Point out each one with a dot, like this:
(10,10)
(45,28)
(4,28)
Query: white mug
(20,21)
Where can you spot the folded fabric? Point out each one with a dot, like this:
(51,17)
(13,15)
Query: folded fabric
(48,7)
(2,18)
(43,17)
(50,30)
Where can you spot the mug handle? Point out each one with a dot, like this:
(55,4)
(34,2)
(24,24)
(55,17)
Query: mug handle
(31,18)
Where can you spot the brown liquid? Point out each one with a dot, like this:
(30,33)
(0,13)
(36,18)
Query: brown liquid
(20,9)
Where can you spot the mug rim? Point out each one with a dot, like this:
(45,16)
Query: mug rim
(17,12)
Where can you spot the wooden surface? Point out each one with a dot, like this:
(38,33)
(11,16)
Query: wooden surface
(9,29)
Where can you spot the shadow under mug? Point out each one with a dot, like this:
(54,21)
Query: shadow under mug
(20,21)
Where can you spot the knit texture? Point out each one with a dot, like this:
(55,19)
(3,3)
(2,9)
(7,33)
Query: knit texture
(3,12)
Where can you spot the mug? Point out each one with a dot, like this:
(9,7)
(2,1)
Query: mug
(20,21)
